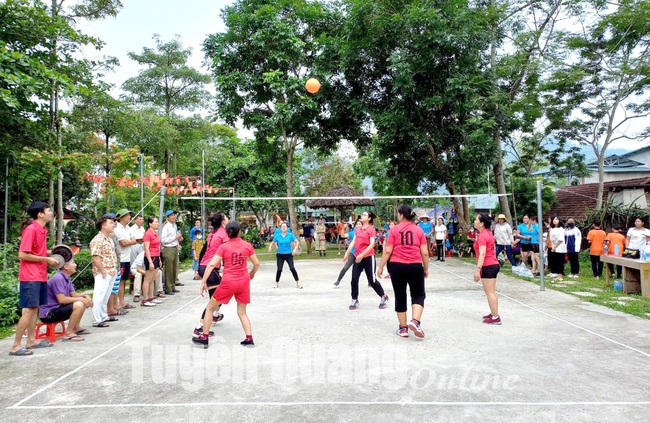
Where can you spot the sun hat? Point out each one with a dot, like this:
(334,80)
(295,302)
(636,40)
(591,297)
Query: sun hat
(501,216)
(122,212)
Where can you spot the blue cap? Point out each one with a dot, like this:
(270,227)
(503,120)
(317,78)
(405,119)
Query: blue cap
(110,215)
(169,212)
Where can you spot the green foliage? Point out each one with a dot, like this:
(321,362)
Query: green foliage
(614,213)
(9,297)
(83,279)
(253,236)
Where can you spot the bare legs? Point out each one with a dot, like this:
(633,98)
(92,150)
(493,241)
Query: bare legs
(489,287)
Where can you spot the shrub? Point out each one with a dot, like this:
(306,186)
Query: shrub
(254,238)
(83,279)
(9,297)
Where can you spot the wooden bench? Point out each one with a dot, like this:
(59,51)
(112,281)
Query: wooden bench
(636,274)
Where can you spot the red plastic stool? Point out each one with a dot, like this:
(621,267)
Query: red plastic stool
(50,331)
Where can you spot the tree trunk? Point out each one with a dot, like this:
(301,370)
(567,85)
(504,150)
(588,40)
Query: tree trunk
(468,218)
(291,149)
(601,180)
(460,212)
(50,201)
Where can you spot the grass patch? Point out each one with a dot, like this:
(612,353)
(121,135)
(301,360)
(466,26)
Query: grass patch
(607,296)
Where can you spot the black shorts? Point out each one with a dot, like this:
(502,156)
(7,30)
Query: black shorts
(526,247)
(32,294)
(156,263)
(490,272)
(214,279)
(535,248)
(125,270)
(59,314)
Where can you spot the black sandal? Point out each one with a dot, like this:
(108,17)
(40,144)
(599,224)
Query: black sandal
(100,325)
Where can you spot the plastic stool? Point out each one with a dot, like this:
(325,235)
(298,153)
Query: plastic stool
(50,331)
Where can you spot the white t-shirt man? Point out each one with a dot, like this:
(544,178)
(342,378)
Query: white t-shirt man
(120,233)
(137,232)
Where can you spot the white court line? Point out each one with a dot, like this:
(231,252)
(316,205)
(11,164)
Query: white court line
(343,403)
(552,316)
(70,373)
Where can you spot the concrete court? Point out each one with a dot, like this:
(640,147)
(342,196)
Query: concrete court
(555,358)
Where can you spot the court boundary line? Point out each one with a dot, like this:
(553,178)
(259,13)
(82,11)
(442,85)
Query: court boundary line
(75,370)
(344,403)
(19,405)
(501,294)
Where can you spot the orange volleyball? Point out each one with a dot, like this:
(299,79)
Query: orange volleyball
(312,85)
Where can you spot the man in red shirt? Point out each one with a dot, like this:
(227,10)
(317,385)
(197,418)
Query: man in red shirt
(32,274)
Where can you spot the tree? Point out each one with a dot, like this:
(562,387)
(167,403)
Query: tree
(167,84)
(418,71)
(260,65)
(599,91)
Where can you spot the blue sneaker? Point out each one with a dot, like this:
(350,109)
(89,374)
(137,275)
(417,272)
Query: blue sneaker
(384,302)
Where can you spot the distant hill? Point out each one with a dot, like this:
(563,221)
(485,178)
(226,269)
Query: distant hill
(590,157)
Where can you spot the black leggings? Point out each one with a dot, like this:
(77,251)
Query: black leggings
(440,246)
(281,258)
(368,265)
(346,267)
(409,275)
(210,294)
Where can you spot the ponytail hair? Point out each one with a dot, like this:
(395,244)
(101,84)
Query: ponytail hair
(216,220)
(371,215)
(406,211)
(232,229)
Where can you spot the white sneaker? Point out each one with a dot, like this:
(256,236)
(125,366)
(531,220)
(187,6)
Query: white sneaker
(148,303)
(157,301)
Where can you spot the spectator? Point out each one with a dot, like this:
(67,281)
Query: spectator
(573,239)
(105,267)
(124,240)
(137,232)
(504,238)
(321,242)
(597,239)
(558,249)
(308,234)
(441,236)
(32,275)
(195,228)
(197,246)
(637,237)
(170,238)
(64,303)
(615,241)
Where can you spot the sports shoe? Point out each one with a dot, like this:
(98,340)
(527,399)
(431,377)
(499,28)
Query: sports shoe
(415,327)
(199,332)
(298,285)
(336,284)
(403,332)
(217,318)
(156,301)
(147,303)
(202,339)
(487,315)
(354,305)
(247,343)
(277,285)
(384,302)
(492,321)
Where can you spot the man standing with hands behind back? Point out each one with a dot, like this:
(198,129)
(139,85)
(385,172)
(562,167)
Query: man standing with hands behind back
(124,241)
(170,239)
(32,274)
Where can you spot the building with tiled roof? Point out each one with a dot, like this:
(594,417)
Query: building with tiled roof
(575,200)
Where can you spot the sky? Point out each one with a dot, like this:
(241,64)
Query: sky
(139,20)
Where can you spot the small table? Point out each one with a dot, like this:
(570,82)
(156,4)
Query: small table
(636,273)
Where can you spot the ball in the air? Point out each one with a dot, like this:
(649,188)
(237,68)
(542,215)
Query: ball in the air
(312,85)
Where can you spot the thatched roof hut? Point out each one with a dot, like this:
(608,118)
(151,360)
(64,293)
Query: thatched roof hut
(339,200)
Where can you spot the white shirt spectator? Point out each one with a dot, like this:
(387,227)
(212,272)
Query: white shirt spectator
(557,238)
(122,233)
(168,235)
(137,232)
(637,238)
(503,233)
(139,261)
(440,232)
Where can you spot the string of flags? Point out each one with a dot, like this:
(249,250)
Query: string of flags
(175,185)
